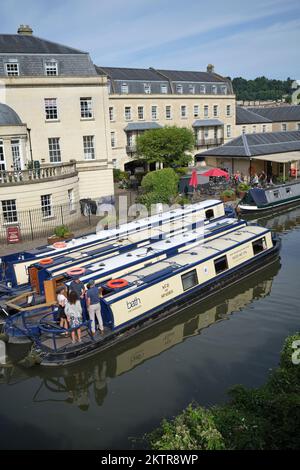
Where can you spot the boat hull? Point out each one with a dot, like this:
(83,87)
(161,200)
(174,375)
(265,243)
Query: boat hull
(57,359)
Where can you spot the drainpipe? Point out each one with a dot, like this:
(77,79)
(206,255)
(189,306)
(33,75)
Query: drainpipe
(30,147)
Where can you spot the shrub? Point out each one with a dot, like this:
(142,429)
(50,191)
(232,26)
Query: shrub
(61,231)
(159,186)
(228,193)
(243,187)
(119,175)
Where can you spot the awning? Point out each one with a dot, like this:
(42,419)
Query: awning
(207,123)
(280,157)
(142,126)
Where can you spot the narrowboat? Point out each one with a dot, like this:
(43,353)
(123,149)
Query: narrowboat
(153,293)
(20,326)
(14,272)
(258,200)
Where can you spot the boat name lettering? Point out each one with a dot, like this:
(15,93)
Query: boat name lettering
(136,302)
(239,254)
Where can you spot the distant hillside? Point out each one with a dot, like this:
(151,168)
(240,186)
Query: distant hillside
(261,88)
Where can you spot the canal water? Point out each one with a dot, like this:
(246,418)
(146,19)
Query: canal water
(109,401)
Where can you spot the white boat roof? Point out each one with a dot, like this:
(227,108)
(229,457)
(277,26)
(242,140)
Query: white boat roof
(199,252)
(190,238)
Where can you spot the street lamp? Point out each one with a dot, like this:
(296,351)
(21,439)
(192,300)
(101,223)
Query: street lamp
(30,147)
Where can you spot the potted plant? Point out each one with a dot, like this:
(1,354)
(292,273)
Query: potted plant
(228,195)
(61,233)
(109,221)
(242,189)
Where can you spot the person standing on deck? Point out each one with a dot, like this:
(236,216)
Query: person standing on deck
(93,305)
(78,286)
(73,312)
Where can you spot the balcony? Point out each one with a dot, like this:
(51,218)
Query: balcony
(200,143)
(131,148)
(38,175)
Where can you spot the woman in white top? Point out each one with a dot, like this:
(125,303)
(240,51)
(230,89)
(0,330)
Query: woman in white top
(74,315)
(62,301)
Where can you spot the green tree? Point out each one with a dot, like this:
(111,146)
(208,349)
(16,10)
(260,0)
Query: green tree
(168,145)
(261,88)
(159,186)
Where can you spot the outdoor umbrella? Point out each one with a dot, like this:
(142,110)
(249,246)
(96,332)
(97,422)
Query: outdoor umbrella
(216,172)
(194,180)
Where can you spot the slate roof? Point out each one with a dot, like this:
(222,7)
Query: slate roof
(141,126)
(23,44)
(247,116)
(8,117)
(186,76)
(207,123)
(279,113)
(264,143)
(120,73)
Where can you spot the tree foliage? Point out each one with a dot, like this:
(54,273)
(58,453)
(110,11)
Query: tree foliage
(168,145)
(261,88)
(159,186)
(263,418)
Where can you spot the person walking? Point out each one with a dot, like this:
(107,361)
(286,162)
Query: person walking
(73,312)
(94,309)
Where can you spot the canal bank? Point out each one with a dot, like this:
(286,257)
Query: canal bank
(112,400)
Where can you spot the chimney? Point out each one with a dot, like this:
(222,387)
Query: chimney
(25,30)
(210,68)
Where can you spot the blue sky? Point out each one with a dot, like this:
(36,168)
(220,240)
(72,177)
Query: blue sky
(241,38)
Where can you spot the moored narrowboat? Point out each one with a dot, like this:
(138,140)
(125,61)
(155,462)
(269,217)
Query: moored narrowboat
(153,293)
(258,200)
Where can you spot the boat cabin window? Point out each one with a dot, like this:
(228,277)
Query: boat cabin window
(209,214)
(189,279)
(221,264)
(288,190)
(276,194)
(259,245)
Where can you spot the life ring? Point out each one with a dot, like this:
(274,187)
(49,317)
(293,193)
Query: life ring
(46,261)
(117,283)
(293,172)
(76,271)
(60,245)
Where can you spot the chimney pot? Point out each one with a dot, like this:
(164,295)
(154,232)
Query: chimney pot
(210,68)
(25,30)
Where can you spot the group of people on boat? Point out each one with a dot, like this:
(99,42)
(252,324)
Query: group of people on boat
(78,305)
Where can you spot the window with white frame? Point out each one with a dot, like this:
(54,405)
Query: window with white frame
(196,110)
(88,147)
(179,88)
(168,112)
(16,154)
(283,127)
(9,211)
(141,112)
(127,113)
(202,89)
(191,88)
(215,110)
(228,110)
(86,110)
(71,199)
(111,113)
(2,157)
(206,133)
(254,129)
(206,110)
(164,88)
(46,205)
(264,128)
(224,90)
(154,112)
(214,89)
(113,139)
(183,111)
(51,68)
(115,163)
(51,109)
(12,69)
(124,87)
(228,130)
(147,88)
(54,150)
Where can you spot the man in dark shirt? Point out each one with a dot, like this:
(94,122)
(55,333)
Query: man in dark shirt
(78,286)
(93,305)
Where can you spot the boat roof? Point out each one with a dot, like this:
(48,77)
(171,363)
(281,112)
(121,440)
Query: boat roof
(124,228)
(156,249)
(186,259)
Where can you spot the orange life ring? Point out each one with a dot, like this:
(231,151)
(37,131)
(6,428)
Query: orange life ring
(60,245)
(46,261)
(293,171)
(76,271)
(117,283)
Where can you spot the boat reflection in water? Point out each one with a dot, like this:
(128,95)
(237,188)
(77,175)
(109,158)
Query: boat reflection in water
(280,222)
(80,384)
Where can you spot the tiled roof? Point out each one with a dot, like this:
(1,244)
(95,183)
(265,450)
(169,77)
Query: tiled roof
(279,113)
(23,44)
(265,143)
(247,116)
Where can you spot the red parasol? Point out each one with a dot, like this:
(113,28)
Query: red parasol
(194,179)
(216,172)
